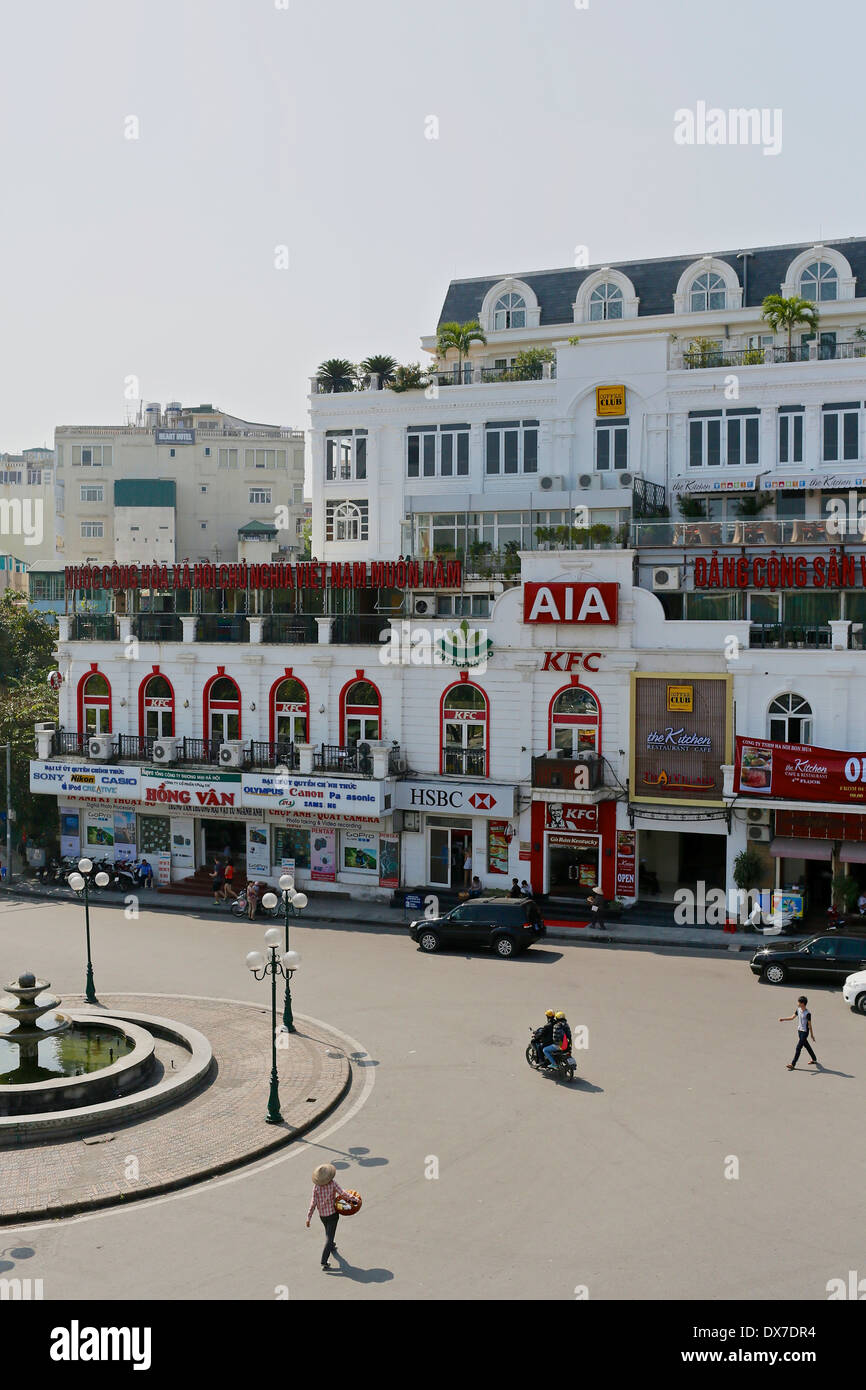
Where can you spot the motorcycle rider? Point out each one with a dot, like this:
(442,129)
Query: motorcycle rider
(544,1034)
(555,1048)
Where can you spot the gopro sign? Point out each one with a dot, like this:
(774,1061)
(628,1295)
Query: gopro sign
(570,603)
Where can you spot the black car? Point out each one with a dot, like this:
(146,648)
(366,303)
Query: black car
(833,956)
(508,925)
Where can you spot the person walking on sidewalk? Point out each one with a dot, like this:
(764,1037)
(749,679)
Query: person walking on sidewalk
(325,1193)
(804,1031)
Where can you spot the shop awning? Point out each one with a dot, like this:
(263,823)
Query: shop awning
(852,852)
(801,849)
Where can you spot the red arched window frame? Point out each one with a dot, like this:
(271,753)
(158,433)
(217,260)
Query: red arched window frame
(142,697)
(288,675)
(232,706)
(347,710)
(443,705)
(573,718)
(98,701)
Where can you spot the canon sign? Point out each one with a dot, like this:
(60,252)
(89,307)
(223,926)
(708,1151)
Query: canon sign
(570,603)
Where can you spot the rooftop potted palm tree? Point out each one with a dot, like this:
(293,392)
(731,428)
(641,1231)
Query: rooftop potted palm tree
(380,365)
(460,336)
(784,315)
(337,374)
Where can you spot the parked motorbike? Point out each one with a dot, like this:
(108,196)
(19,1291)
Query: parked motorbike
(564,1067)
(49,872)
(124,878)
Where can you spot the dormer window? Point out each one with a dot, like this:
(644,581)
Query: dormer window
(819,282)
(707,292)
(605,302)
(509,312)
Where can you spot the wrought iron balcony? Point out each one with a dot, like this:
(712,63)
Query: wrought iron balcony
(263,754)
(222,627)
(93,627)
(158,627)
(464,762)
(290,627)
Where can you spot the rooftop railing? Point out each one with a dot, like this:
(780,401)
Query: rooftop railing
(696,533)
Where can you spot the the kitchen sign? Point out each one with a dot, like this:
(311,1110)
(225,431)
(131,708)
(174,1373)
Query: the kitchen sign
(83,779)
(567,602)
(799,772)
(469,798)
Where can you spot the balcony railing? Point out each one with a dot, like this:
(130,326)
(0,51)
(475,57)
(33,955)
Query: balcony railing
(333,757)
(770,356)
(359,627)
(135,747)
(200,750)
(158,627)
(464,762)
(263,754)
(222,627)
(290,627)
(690,532)
(65,742)
(93,627)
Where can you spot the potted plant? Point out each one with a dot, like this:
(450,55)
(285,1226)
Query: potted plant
(846,891)
(412,377)
(337,374)
(529,364)
(691,507)
(459,336)
(704,352)
(380,365)
(479,551)
(600,534)
(511,567)
(787,314)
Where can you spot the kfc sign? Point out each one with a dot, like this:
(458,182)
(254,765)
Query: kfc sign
(566,661)
(565,602)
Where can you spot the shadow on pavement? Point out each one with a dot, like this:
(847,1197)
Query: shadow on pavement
(360,1276)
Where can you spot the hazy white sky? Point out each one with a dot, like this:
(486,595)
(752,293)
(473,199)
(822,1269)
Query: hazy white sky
(304,126)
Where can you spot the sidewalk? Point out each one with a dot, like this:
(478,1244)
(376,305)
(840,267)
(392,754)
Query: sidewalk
(346,912)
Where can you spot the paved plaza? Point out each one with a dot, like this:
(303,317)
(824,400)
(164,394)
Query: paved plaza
(685,1162)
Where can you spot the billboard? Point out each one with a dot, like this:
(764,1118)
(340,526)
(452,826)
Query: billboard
(681,737)
(799,772)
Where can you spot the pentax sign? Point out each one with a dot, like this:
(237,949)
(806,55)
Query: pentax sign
(566,602)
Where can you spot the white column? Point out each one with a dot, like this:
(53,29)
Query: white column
(255,625)
(324,625)
(188,622)
(305,756)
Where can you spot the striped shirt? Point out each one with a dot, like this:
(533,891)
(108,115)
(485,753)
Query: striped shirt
(324,1198)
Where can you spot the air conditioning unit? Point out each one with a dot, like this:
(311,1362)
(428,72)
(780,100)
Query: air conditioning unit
(424,606)
(231,753)
(99,746)
(627,479)
(549,483)
(666,580)
(585,481)
(758,816)
(759,832)
(165,750)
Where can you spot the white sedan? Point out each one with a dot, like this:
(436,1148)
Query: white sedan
(854,991)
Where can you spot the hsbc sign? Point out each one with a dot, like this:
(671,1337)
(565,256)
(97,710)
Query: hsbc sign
(565,602)
(462,798)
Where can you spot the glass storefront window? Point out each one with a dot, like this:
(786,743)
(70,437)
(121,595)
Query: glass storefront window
(291,843)
(710,608)
(154,834)
(812,607)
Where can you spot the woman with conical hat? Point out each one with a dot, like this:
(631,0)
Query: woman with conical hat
(325,1193)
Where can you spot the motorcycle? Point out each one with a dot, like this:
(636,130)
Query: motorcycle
(564,1067)
(50,871)
(124,878)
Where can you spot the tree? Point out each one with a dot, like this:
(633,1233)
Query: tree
(413,377)
(784,315)
(337,374)
(460,336)
(381,366)
(27,643)
(307,538)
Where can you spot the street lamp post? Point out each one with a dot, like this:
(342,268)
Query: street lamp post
(8,748)
(291,899)
(76,883)
(261,966)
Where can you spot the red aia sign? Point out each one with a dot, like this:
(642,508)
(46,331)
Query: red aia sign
(565,602)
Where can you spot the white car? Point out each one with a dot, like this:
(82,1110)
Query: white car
(854,991)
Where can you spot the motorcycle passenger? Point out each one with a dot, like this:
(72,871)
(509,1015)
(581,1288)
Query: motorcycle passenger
(561,1031)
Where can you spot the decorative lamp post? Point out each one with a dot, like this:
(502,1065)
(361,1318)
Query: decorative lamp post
(76,883)
(295,902)
(261,966)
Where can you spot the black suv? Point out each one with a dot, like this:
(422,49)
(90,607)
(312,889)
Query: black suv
(831,957)
(508,925)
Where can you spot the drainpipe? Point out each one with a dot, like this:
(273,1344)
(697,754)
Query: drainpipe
(744,257)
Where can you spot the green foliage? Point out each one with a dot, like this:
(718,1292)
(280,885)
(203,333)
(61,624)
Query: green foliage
(307,538)
(413,377)
(27,640)
(529,364)
(511,567)
(459,336)
(337,374)
(27,643)
(691,506)
(707,351)
(753,357)
(846,891)
(784,315)
(382,366)
(753,503)
(748,869)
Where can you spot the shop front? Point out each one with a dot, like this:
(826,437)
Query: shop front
(454,831)
(575,849)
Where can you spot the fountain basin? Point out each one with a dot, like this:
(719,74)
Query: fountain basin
(61,1093)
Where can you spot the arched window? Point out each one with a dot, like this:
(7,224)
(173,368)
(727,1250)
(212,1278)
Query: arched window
(222,702)
(790,719)
(290,711)
(509,312)
(360,713)
(575,722)
(605,302)
(94,704)
(465,728)
(707,292)
(156,707)
(347,522)
(819,281)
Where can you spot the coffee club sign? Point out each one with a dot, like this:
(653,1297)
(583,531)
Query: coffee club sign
(835,570)
(679,759)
